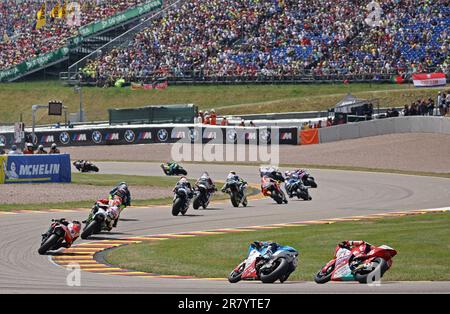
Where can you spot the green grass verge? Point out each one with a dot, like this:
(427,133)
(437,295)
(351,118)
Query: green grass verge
(422,242)
(228,99)
(112,179)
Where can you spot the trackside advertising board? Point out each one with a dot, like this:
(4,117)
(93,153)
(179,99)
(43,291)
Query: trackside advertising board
(35,169)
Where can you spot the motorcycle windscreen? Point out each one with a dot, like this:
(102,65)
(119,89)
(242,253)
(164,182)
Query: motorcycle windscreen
(342,270)
(250,263)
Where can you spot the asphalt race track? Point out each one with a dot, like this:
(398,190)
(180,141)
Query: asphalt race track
(340,194)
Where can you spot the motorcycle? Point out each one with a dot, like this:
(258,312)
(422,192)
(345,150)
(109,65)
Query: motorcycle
(85,166)
(233,189)
(298,189)
(97,221)
(57,234)
(178,171)
(256,266)
(274,174)
(271,188)
(202,197)
(351,265)
(308,180)
(181,201)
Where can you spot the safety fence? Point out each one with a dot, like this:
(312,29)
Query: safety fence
(191,133)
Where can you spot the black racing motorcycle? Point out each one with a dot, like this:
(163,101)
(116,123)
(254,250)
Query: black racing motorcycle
(202,196)
(308,180)
(181,201)
(237,195)
(296,188)
(85,166)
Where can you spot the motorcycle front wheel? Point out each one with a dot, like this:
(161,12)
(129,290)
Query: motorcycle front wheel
(379,268)
(324,277)
(235,277)
(278,272)
(48,244)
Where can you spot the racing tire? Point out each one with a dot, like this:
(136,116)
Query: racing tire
(322,278)
(235,199)
(235,277)
(381,267)
(281,270)
(48,244)
(90,230)
(95,169)
(176,208)
(277,198)
(196,204)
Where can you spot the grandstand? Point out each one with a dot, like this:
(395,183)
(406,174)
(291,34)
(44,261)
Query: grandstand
(247,41)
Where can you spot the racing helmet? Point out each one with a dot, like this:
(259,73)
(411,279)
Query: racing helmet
(76,227)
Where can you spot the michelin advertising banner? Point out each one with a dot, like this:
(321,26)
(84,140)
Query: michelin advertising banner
(35,169)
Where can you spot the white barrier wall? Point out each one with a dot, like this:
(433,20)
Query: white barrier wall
(398,125)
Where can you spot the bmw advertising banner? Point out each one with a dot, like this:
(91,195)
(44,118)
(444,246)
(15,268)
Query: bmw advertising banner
(35,169)
(162,134)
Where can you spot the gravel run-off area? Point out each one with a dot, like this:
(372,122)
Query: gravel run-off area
(55,193)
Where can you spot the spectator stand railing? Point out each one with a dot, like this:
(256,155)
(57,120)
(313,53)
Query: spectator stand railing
(119,41)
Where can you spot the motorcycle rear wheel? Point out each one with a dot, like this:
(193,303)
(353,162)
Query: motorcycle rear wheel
(90,230)
(235,199)
(196,203)
(381,267)
(280,270)
(176,208)
(48,244)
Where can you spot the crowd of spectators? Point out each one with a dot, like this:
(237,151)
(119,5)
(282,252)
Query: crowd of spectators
(219,38)
(428,107)
(20,41)
(30,149)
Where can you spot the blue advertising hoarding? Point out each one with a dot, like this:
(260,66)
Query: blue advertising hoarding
(36,169)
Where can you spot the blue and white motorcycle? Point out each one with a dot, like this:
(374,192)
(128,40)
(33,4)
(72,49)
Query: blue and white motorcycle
(263,264)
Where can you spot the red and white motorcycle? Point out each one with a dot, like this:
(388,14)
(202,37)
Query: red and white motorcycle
(355,265)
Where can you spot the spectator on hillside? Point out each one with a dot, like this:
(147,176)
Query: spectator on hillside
(224,121)
(213,117)
(14,151)
(41,150)
(28,149)
(54,149)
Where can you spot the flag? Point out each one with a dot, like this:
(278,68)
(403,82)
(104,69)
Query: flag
(429,79)
(55,11)
(40,17)
(62,11)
